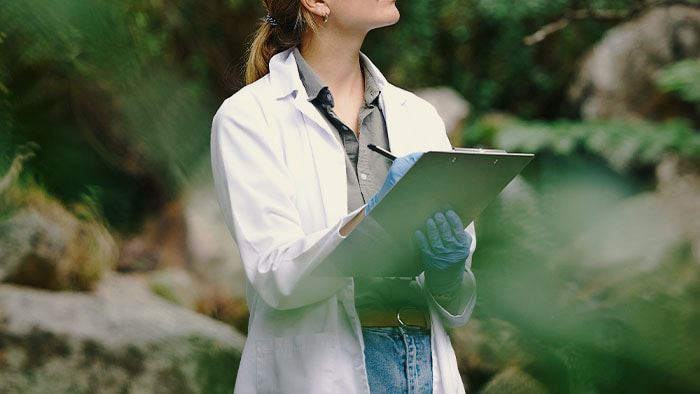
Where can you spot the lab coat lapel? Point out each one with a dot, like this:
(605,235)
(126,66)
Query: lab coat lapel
(328,158)
(302,103)
(327,153)
(284,75)
(392,102)
(394,114)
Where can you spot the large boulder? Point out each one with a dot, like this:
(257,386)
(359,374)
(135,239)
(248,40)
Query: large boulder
(213,299)
(122,339)
(617,77)
(45,245)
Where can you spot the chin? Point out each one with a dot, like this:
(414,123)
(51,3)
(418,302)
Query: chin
(391,18)
(397,16)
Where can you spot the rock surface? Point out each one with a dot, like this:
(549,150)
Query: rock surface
(617,77)
(451,106)
(213,253)
(44,245)
(122,339)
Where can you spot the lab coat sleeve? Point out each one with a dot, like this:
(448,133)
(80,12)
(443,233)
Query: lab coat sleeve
(257,199)
(465,297)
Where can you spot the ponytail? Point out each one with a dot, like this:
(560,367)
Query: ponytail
(269,40)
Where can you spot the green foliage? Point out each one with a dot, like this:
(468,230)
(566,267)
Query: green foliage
(109,54)
(95,85)
(6,115)
(476,46)
(216,367)
(163,291)
(682,78)
(624,144)
(597,281)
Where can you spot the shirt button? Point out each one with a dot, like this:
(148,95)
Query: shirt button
(363,177)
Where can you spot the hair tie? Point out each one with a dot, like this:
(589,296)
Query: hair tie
(271,20)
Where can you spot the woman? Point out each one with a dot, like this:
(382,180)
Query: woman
(294,177)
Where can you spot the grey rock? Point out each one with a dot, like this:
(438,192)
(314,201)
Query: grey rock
(213,252)
(176,285)
(27,234)
(451,106)
(121,339)
(45,245)
(616,77)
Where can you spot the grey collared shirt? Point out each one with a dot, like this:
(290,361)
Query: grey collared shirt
(365,173)
(365,169)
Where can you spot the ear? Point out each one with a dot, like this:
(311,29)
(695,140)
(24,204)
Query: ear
(317,7)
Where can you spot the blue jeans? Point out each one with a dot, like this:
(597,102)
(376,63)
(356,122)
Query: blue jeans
(398,360)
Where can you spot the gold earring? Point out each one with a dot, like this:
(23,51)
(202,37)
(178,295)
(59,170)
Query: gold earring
(325,16)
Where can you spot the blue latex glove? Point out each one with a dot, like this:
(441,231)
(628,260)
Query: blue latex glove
(398,168)
(444,251)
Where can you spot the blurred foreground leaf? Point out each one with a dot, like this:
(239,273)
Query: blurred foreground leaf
(623,143)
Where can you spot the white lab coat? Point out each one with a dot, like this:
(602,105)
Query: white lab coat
(280,179)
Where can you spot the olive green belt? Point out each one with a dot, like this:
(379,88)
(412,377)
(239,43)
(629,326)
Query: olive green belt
(399,317)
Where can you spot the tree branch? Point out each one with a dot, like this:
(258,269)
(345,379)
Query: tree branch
(575,15)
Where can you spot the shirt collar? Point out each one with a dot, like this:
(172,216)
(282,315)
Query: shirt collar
(317,89)
(284,80)
(311,81)
(372,88)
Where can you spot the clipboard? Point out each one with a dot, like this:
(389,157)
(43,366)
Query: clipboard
(464,180)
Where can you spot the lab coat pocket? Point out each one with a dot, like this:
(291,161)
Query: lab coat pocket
(299,364)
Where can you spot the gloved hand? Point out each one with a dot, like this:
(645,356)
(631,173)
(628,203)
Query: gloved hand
(400,166)
(444,251)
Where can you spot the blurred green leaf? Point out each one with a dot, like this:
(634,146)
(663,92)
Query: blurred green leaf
(683,78)
(624,144)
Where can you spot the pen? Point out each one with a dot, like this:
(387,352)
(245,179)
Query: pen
(382,151)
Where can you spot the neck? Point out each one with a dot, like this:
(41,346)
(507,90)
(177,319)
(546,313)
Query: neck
(335,57)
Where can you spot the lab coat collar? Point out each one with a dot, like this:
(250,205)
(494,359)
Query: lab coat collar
(285,81)
(284,77)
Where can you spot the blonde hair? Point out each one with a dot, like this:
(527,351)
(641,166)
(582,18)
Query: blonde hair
(293,20)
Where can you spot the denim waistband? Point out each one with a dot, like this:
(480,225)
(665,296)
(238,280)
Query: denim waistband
(413,330)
